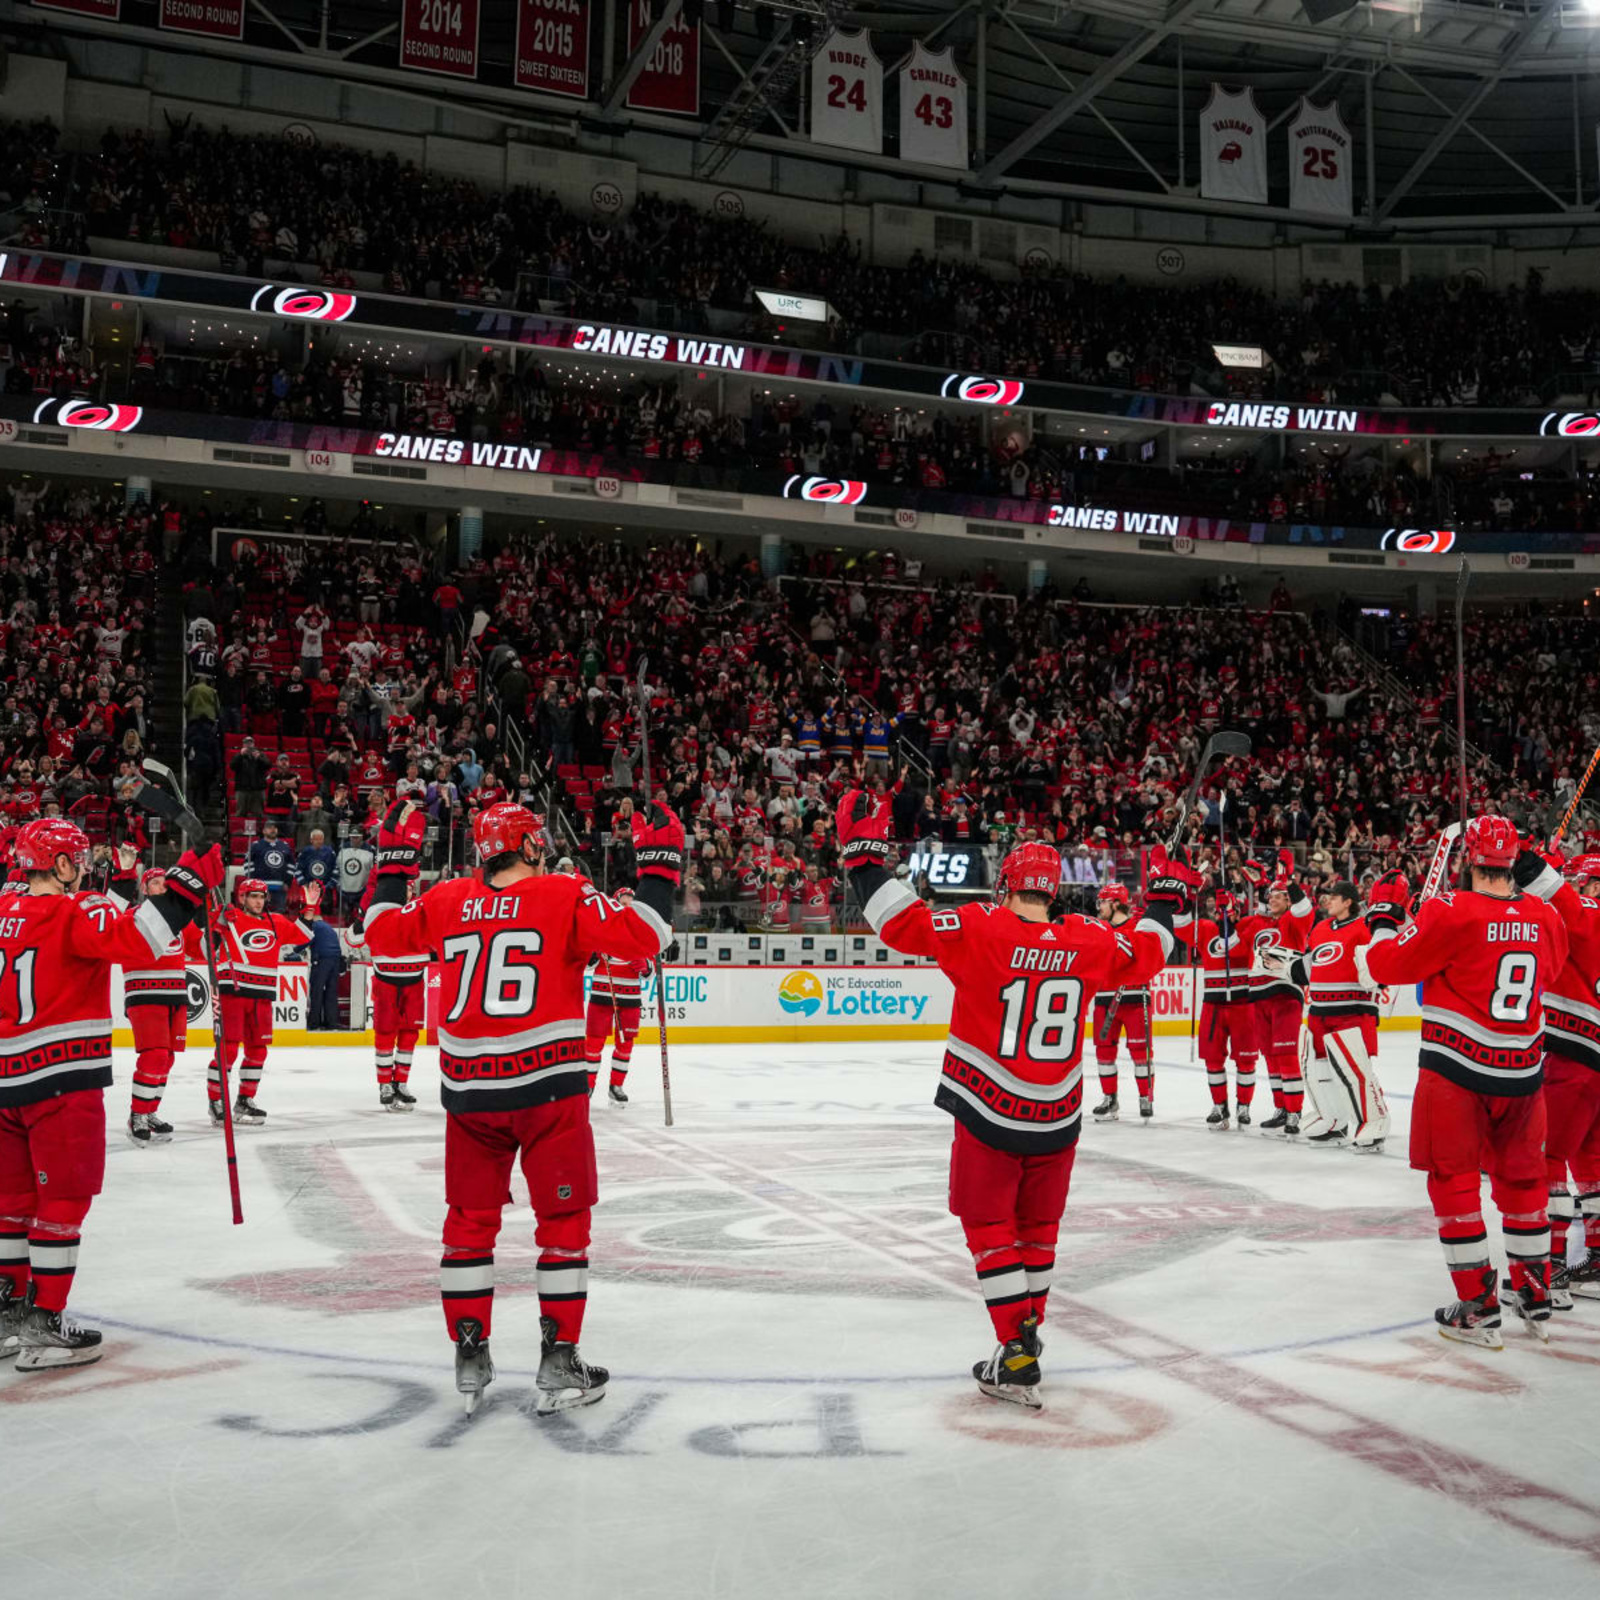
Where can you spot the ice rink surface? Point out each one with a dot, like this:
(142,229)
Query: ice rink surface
(1245,1394)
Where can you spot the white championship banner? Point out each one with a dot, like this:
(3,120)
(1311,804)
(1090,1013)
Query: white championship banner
(933,109)
(847,93)
(734,1005)
(1320,160)
(1233,147)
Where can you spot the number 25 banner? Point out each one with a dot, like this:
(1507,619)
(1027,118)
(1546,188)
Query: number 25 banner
(440,36)
(1320,152)
(933,109)
(670,80)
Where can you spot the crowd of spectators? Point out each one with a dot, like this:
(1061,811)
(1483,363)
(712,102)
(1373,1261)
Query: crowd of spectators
(250,198)
(77,586)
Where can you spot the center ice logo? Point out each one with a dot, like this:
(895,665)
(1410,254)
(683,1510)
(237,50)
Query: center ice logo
(802,992)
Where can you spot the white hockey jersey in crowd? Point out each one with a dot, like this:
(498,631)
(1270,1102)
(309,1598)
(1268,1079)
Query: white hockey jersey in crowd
(1233,147)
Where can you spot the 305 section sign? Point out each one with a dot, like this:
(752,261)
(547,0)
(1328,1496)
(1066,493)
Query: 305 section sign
(440,36)
(553,46)
(670,80)
(220,19)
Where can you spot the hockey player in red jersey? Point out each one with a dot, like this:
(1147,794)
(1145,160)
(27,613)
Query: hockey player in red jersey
(1572,1072)
(616,989)
(1012,1075)
(513,942)
(57,948)
(1125,1011)
(155,994)
(1484,955)
(1276,997)
(1227,1019)
(248,939)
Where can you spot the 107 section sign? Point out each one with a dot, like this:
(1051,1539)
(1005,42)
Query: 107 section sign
(440,36)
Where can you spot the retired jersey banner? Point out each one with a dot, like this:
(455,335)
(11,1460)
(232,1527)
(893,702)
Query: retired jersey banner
(671,77)
(440,36)
(104,10)
(933,109)
(1233,148)
(218,19)
(553,46)
(1320,151)
(847,93)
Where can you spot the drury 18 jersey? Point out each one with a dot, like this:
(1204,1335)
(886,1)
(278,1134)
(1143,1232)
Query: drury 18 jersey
(1572,997)
(1012,1073)
(56,955)
(511,964)
(1484,964)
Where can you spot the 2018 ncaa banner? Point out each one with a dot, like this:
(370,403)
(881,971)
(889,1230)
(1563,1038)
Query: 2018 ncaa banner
(670,80)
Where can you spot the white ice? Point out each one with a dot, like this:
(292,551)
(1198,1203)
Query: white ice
(1245,1394)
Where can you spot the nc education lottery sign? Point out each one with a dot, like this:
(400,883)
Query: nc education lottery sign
(440,36)
(553,46)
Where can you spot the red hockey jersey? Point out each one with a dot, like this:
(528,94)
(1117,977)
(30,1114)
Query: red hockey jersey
(1571,1008)
(1225,963)
(511,983)
(56,955)
(247,950)
(1335,987)
(1286,932)
(162,980)
(618,981)
(1011,1072)
(1483,964)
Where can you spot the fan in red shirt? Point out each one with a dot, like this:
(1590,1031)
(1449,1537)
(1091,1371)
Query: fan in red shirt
(513,942)
(1012,1076)
(1127,1012)
(57,948)
(1484,956)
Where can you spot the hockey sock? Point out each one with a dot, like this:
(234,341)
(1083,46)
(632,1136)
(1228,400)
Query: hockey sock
(594,1078)
(563,1271)
(1562,1212)
(53,1250)
(1144,1081)
(1108,1082)
(1244,1080)
(385,1067)
(466,1269)
(1459,1209)
(1002,1277)
(402,1067)
(1037,1244)
(150,1073)
(619,1071)
(1525,1222)
(250,1078)
(1588,1202)
(1217,1082)
(16,1217)
(1294,1086)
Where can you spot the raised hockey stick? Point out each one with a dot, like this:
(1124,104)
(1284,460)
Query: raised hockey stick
(661,987)
(1463,578)
(1437,870)
(173,808)
(1572,810)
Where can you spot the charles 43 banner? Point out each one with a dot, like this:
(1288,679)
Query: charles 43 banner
(933,109)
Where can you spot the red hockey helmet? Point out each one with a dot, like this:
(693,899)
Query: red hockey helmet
(1113,894)
(1582,867)
(249,886)
(1033,868)
(1492,841)
(41,842)
(501,829)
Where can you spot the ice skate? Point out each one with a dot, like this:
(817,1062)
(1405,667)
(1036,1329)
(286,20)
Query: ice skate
(48,1339)
(11,1313)
(565,1379)
(474,1369)
(1532,1304)
(144,1130)
(1560,1288)
(404,1100)
(1291,1125)
(1106,1111)
(1584,1279)
(1329,1137)
(618,1095)
(1012,1372)
(1218,1120)
(1274,1125)
(246,1111)
(1472,1321)
(215,1109)
(1367,1147)
(1244,1116)
(386,1099)
(1147,1107)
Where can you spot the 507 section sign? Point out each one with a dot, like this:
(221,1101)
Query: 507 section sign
(440,36)
(553,46)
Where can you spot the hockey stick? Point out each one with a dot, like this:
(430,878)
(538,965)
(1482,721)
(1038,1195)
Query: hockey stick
(1438,868)
(1583,783)
(1225,742)
(1463,578)
(661,987)
(173,808)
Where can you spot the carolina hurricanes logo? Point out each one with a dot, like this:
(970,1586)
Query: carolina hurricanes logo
(832,491)
(1215,948)
(89,414)
(314,305)
(983,391)
(1571,424)
(1266,939)
(258,940)
(1326,953)
(1419,541)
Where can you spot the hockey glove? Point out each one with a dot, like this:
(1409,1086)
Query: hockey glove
(1386,905)
(1533,873)
(658,843)
(862,824)
(194,876)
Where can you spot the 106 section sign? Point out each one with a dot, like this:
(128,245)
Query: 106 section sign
(553,46)
(440,36)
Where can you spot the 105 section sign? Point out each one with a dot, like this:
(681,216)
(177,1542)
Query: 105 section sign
(553,46)
(440,36)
